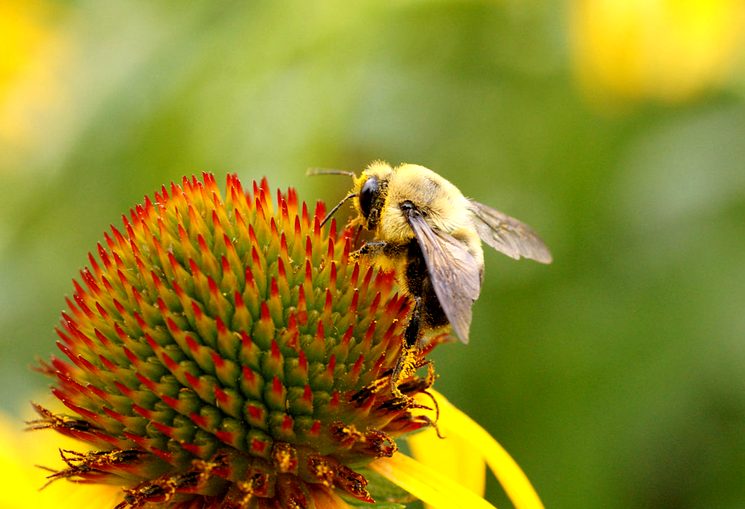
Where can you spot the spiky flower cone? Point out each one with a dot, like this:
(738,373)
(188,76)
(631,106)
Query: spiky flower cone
(225,352)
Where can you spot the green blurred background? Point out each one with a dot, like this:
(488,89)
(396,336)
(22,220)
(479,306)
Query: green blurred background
(615,376)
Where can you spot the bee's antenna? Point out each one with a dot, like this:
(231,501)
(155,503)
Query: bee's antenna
(331,171)
(328,171)
(336,207)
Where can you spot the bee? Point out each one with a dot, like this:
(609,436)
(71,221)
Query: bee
(424,228)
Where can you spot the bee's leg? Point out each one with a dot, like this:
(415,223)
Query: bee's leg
(371,248)
(406,364)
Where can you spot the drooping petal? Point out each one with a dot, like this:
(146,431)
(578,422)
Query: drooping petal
(453,456)
(427,484)
(456,425)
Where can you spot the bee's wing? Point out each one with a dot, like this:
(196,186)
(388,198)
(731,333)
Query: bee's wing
(453,271)
(508,235)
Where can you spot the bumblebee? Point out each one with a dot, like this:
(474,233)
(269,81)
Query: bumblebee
(424,228)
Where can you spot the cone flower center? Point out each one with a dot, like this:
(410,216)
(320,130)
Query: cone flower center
(223,350)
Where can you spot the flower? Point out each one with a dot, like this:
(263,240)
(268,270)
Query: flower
(461,455)
(666,50)
(34,53)
(20,453)
(226,351)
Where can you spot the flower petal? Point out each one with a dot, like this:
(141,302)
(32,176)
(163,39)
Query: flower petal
(455,423)
(427,484)
(452,456)
(20,451)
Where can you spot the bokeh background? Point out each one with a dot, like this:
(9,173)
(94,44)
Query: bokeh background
(615,376)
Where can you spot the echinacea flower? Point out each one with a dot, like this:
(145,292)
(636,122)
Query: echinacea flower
(226,351)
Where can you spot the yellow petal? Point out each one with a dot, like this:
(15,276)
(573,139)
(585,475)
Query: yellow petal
(452,456)
(20,451)
(428,485)
(455,423)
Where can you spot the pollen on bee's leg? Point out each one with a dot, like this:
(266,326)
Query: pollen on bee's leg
(401,380)
(430,379)
(406,366)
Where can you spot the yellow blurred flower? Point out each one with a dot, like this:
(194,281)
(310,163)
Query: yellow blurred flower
(666,50)
(33,55)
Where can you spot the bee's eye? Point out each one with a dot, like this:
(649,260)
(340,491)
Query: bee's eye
(368,193)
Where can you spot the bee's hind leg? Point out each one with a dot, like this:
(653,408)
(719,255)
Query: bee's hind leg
(406,364)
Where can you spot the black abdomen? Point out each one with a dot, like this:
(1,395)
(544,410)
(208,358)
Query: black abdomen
(420,286)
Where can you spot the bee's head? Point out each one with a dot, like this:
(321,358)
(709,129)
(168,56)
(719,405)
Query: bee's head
(370,189)
(368,195)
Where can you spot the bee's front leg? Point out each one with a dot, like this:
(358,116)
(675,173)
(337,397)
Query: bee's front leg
(372,248)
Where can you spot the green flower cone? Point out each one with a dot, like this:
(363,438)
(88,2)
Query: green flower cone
(225,351)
